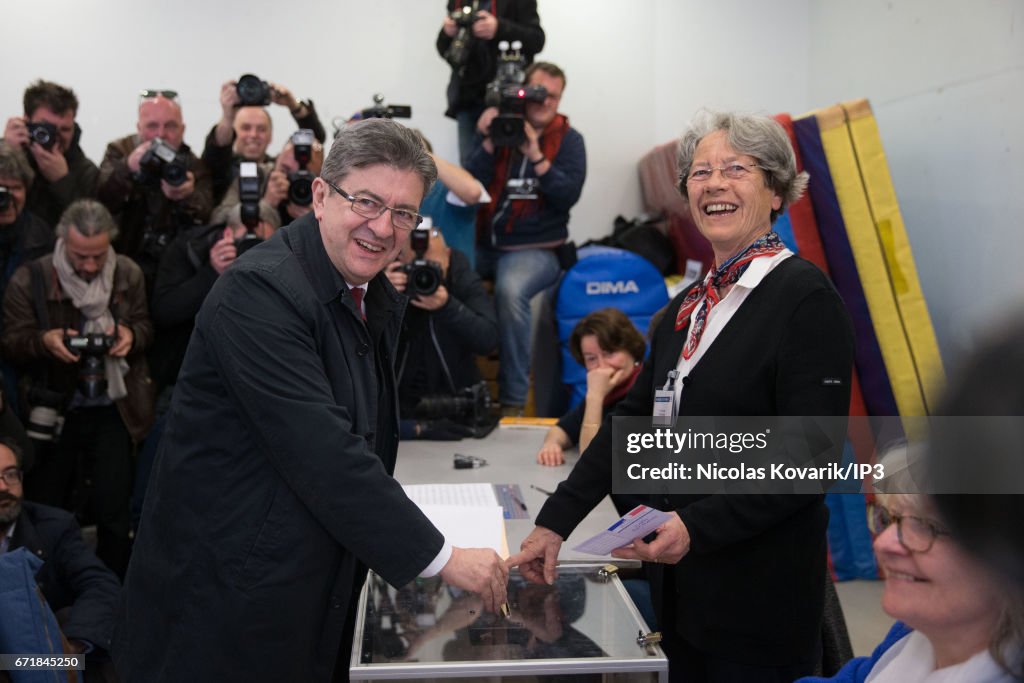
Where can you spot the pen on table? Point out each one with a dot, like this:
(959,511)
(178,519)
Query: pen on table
(537,488)
(506,611)
(522,505)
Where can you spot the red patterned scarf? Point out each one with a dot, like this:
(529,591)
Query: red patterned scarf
(706,294)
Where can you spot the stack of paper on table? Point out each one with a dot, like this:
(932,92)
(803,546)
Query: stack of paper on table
(468,515)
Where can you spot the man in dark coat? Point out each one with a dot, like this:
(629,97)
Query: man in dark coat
(272,491)
(50,136)
(79,589)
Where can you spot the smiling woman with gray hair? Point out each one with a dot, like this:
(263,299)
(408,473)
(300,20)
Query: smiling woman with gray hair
(738,581)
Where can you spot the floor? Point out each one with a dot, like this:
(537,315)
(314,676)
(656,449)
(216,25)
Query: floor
(865,620)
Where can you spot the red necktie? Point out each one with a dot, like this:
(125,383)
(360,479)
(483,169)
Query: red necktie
(357,296)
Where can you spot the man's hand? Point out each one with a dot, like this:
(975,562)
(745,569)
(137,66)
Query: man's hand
(398,277)
(224,132)
(486,25)
(483,124)
(223,252)
(434,302)
(481,571)
(123,342)
(179,192)
(283,96)
(16,131)
(551,454)
(136,156)
(449,27)
(670,546)
(538,556)
(530,146)
(53,340)
(277,187)
(51,162)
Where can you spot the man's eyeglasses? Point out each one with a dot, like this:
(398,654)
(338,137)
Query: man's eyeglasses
(730,171)
(147,94)
(916,534)
(368,207)
(11,476)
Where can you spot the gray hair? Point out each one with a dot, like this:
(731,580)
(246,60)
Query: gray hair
(13,164)
(378,141)
(231,215)
(755,135)
(89,218)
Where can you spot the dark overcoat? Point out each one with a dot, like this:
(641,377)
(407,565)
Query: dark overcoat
(272,489)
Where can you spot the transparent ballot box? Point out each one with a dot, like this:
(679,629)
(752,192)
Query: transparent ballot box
(584,627)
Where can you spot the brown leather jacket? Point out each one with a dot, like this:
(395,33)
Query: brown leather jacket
(22,340)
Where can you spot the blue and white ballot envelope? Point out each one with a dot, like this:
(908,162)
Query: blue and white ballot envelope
(635,524)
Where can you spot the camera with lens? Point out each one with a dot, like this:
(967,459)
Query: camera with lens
(252,91)
(469,406)
(91,349)
(43,134)
(379,110)
(508,93)
(45,420)
(162,162)
(5,198)
(464,17)
(424,276)
(300,182)
(249,196)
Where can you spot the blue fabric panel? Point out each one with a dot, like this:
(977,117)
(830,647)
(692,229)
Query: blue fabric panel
(783,227)
(604,277)
(456,223)
(28,624)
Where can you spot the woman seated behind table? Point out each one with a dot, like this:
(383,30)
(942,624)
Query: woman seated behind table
(957,619)
(610,348)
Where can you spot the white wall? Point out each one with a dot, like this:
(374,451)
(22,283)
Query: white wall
(944,77)
(946,81)
(632,81)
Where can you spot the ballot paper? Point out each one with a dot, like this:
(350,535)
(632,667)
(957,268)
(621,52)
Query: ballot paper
(635,524)
(467,514)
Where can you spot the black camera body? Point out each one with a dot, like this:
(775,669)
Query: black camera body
(43,134)
(5,198)
(508,93)
(249,196)
(380,110)
(92,372)
(300,182)
(457,53)
(252,91)
(469,406)
(162,162)
(424,276)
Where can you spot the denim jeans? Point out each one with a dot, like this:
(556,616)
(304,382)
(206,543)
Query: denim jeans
(518,276)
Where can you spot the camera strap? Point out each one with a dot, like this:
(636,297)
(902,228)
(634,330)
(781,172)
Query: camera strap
(35,270)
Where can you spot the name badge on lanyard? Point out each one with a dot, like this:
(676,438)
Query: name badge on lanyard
(664,410)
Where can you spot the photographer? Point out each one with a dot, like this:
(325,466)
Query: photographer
(468,41)
(244,130)
(188,271)
(23,235)
(154,189)
(442,333)
(532,187)
(83,295)
(50,135)
(282,184)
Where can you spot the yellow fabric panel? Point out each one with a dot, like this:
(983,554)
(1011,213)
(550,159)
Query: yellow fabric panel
(870,260)
(885,210)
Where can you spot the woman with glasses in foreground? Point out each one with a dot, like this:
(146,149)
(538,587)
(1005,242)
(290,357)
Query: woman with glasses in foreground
(957,619)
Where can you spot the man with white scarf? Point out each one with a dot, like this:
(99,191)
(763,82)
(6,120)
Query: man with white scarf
(84,289)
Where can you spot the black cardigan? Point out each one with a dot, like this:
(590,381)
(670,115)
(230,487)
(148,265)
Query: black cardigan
(751,586)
